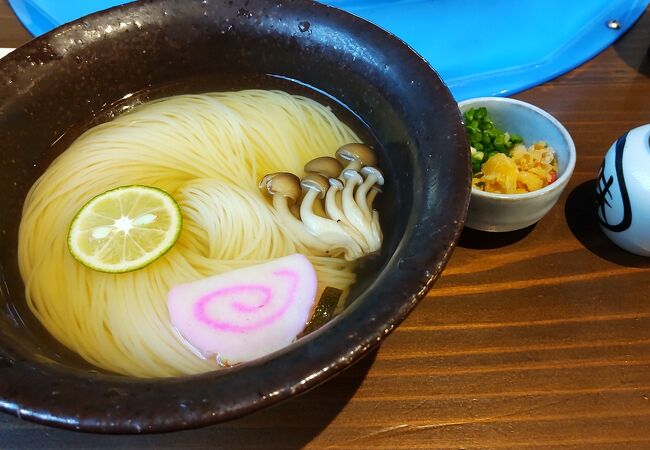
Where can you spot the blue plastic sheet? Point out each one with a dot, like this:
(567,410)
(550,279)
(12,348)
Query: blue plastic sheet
(479,47)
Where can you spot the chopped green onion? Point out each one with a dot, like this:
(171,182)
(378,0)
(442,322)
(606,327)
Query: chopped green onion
(485,138)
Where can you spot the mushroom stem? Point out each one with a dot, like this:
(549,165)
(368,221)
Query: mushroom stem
(354,213)
(375,228)
(295,210)
(374,190)
(319,209)
(334,212)
(297,228)
(327,230)
(373,176)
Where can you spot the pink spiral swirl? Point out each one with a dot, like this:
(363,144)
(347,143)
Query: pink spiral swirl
(245,307)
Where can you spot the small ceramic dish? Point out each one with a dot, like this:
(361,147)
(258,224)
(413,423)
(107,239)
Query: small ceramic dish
(508,212)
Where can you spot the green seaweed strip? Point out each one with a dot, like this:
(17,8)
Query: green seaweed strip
(324,310)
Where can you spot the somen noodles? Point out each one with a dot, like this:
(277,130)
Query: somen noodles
(209,152)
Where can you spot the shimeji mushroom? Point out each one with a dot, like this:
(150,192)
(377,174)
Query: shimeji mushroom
(328,167)
(285,189)
(354,213)
(327,230)
(331,168)
(356,156)
(325,165)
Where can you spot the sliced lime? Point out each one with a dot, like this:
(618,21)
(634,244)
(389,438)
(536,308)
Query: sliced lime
(125,229)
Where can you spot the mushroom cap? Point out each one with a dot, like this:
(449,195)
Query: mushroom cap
(336,183)
(281,183)
(352,175)
(315,182)
(357,152)
(368,170)
(324,165)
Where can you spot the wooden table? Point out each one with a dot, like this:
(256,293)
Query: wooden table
(533,339)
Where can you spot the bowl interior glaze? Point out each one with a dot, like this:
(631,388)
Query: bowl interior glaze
(83,73)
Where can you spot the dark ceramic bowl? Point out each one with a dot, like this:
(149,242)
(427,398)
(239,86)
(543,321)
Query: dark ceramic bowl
(60,84)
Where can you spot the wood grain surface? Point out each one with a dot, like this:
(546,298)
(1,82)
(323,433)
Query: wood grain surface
(531,339)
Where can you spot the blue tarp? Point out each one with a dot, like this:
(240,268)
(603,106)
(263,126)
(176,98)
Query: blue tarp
(479,47)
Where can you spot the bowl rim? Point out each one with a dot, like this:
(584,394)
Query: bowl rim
(564,177)
(412,268)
